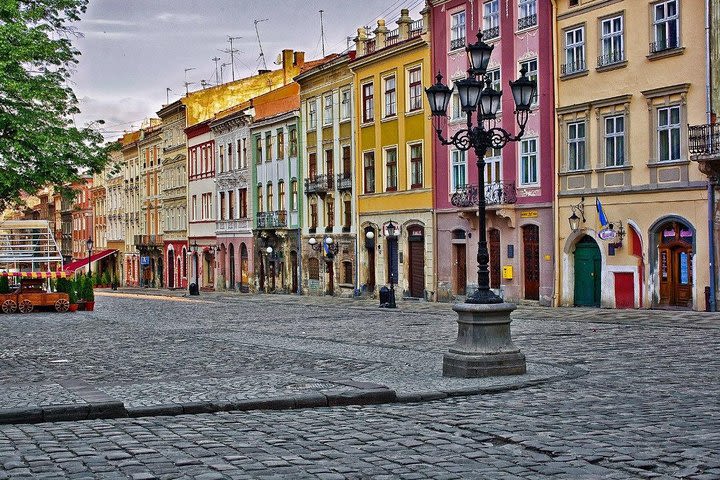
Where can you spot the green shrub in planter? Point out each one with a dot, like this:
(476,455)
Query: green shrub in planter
(4,285)
(62,285)
(88,292)
(105,278)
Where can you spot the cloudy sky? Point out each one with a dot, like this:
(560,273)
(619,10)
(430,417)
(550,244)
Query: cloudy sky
(132,50)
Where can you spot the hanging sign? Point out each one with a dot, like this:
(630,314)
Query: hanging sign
(607,234)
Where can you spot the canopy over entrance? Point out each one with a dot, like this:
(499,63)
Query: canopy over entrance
(71,267)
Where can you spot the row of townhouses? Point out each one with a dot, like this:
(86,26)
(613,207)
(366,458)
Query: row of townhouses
(327,176)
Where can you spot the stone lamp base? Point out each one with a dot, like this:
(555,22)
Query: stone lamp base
(483,347)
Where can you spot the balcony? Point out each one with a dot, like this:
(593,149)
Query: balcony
(392,37)
(496,193)
(457,43)
(276,219)
(319,184)
(704,147)
(148,240)
(344,181)
(416,28)
(527,22)
(611,58)
(572,68)
(236,225)
(490,33)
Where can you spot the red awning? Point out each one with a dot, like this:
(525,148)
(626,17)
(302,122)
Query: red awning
(72,266)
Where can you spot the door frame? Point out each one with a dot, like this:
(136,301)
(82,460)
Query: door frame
(653,258)
(597,280)
(567,271)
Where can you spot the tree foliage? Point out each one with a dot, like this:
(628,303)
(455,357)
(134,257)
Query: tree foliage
(39,142)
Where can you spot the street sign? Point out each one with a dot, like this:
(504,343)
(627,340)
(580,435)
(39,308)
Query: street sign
(144,260)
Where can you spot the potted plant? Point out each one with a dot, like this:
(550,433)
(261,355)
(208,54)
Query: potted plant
(79,287)
(72,296)
(89,296)
(105,279)
(4,285)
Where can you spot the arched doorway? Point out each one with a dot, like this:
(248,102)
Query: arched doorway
(370,248)
(531,261)
(416,245)
(231,257)
(675,251)
(244,274)
(459,244)
(171,268)
(588,272)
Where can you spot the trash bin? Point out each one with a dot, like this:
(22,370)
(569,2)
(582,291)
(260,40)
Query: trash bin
(194,289)
(384,296)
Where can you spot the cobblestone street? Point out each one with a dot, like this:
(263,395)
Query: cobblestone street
(608,394)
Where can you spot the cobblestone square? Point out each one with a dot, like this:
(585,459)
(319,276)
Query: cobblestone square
(608,394)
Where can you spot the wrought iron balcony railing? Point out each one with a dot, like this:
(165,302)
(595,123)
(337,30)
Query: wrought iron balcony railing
(490,33)
(704,140)
(148,240)
(344,181)
(572,67)
(611,58)
(496,193)
(276,219)
(662,45)
(319,184)
(527,22)
(457,43)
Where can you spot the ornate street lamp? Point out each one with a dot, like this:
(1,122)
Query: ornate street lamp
(392,233)
(194,248)
(477,350)
(331,248)
(89,245)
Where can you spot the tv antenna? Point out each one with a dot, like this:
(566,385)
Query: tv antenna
(322,33)
(187,84)
(257,32)
(216,60)
(222,67)
(167,95)
(232,54)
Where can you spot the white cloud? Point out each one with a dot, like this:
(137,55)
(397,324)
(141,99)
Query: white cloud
(179,17)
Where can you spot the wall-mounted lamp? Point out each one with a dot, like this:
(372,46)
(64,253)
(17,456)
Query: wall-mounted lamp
(574,219)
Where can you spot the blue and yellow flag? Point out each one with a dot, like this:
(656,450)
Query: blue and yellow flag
(601,214)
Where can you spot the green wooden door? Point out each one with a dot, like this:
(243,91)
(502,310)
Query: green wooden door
(587,273)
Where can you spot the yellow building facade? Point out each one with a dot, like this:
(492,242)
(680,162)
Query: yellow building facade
(628,82)
(393,166)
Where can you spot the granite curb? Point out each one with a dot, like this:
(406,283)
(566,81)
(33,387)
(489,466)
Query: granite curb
(372,396)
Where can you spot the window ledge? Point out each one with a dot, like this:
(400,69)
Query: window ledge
(670,163)
(458,50)
(584,171)
(612,66)
(670,52)
(570,76)
(389,118)
(345,120)
(413,112)
(526,29)
(367,124)
(614,168)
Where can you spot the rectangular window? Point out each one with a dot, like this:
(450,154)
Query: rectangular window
(369,171)
(527,14)
(260,197)
(415,89)
(268,147)
(312,165)
(270,198)
(390,97)
(258,150)
(313,216)
(281,195)
(615,141)
(346,160)
(222,206)
(574,51)
(293,195)
(348,214)
(293,142)
(280,143)
(231,166)
(194,210)
(368,113)
(231,205)
(416,166)
(345,104)
(668,133)
(457,30)
(493,166)
(456,111)
(576,146)
(666,26)
(242,197)
(532,73)
(312,114)
(221,160)
(242,153)
(494,76)
(528,162)
(391,170)
(328,109)
(611,41)
(330,214)
(491,19)
(459,170)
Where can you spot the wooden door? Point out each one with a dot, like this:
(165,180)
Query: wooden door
(676,275)
(460,269)
(231,257)
(171,270)
(531,252)
(494,247)
(416,241)
(587,273)
(624,290)
(331,278)
(370,281)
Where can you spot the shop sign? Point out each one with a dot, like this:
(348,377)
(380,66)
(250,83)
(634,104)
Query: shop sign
(529,214)
(144,260)
(607,234)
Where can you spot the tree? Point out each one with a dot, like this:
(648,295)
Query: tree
(39,142)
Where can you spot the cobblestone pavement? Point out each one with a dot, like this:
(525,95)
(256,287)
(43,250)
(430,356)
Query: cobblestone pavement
(647,406)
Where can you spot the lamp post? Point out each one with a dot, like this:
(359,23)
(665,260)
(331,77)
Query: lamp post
(89,245)
(391,233)
(331,248)
(196,290)
(483,348)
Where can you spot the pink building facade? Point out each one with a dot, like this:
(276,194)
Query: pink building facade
(520,177)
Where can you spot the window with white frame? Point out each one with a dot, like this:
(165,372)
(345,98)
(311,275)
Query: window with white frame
(574,51)
(528,162)
(491,19)
(391,170)
(576,146)
(456,111)
(666,25)
(457,30)
(493,166)
(496,84)
(611,41)
(328,109)
(345,104)
(615,141)
(532,73)
(416,165)
(312,114)
(668,134)
(414,89)
(527,14)
(390,97)
(458,178)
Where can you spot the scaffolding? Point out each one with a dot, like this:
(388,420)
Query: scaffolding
(28,246)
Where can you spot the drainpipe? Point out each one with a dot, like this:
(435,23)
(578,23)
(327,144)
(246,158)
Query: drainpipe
(711,181)
(556,205)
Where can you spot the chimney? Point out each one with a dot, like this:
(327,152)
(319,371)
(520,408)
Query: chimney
(287,65)
(299,59)
(360,42)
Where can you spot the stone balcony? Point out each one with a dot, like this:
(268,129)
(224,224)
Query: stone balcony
(233,226)
(704,147)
